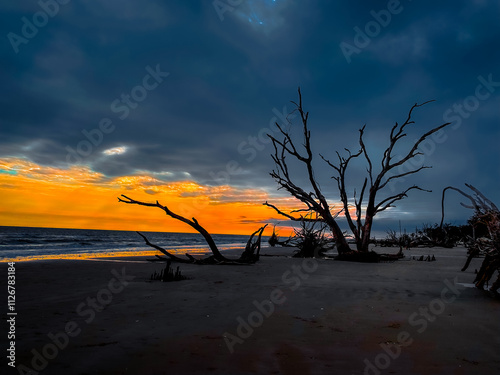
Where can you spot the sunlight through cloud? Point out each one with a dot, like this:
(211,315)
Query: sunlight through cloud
(115,151)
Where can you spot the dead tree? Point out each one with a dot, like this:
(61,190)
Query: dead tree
(366,203)
(485,213)
(249,256)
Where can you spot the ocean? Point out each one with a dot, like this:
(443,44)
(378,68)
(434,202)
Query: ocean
(51,243)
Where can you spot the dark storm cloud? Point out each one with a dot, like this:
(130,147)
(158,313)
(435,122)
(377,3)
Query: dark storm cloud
(228,80)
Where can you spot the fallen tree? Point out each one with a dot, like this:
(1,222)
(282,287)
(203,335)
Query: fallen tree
(250,254)
(485,213)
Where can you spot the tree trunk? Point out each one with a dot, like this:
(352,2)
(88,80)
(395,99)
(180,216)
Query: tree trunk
(364,245)
(340,241)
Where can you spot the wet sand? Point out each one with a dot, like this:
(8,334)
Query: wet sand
(279,316)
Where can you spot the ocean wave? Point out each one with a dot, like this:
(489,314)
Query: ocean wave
(19,242)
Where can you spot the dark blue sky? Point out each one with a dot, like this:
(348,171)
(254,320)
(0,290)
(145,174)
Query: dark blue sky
(232,70)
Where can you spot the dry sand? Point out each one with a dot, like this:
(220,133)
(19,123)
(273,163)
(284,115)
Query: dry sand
(329,317)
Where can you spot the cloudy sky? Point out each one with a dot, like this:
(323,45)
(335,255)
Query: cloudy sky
(171,100)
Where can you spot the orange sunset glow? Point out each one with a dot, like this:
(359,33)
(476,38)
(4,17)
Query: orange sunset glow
(40,196)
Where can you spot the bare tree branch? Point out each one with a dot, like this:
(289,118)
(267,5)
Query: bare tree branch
(193,223)
(387,202)
(479,202)
(402,175)
(217,258)
(293,218)
(162,250)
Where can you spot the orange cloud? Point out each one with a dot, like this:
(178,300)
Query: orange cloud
(40,196)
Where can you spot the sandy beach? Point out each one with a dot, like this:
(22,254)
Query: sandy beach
(279,316)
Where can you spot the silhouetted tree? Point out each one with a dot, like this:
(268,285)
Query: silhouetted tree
(367,204)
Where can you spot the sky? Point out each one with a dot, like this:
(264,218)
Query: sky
(172,101)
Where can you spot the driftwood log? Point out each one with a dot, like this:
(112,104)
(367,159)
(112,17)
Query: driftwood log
(249,256)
